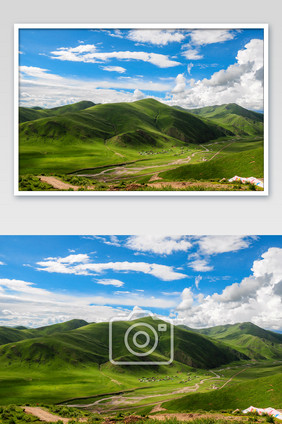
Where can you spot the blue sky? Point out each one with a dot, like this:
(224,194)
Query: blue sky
(200,281)
(190,68)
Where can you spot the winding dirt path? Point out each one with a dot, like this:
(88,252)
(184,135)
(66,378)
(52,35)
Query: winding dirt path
(116,400)
(44,415)
(56,183)
(61,185)
(231,378)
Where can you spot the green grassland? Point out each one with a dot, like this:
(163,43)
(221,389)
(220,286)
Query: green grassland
(263,392)
(141,139)
(69,363)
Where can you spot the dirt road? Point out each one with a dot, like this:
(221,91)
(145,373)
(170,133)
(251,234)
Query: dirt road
(56,183)
(60,185)
(47,416)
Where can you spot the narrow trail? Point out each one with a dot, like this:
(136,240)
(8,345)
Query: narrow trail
(116,400)
(231,378)
(224,147)
(56,183)
(61,185)
(47,416)
(112,379)
(117,171)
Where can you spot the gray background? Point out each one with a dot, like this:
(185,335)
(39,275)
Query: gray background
(132,215)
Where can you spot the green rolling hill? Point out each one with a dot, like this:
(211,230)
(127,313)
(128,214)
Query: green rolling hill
(10,335)
(85,344)
(247,163)
(248,338)
(141,123)
(233,117)
(264,392)
(31,114)
(71,360)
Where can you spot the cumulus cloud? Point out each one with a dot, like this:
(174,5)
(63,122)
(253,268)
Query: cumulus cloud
(86,267)
(164,245)
(138,95)
(2,263)
(210,36)
(240,83)
(118,69)
(200,265)
(155,36)
(110,282)
(187,300)
(210,245)
(180,84)
(256,298)
(191,53)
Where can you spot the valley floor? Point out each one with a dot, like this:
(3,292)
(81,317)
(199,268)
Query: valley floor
(203,167)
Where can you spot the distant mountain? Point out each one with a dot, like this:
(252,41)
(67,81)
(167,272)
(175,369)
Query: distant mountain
(89,344)
(247,338)
(233,117)
(144,123)
(9,334)
(30,114)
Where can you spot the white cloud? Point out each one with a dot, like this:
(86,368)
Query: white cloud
(75,54)
(240,83)
(2,263)
(205,36)
(110,282)
(40,88)
(118,69)
(192,53)
(138,95)
(197,280)
(164,245)
(21,287)
(200,265)
(24,303)
(60,265)
(180,84)
(189,67)
(257,298)
(187,300)
(211,245)
(155,36)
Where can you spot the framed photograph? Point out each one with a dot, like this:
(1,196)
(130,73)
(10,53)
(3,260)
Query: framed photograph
(94,326)
(147,109)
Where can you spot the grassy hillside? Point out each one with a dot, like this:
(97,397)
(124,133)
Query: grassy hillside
(262,392)
(10,335)
(71,360)
(145,122)
(247,163)
(90,344)
(30,114)
(146,135)
(233,117)
(248,338)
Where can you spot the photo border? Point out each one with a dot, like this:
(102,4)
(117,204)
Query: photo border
(264,26)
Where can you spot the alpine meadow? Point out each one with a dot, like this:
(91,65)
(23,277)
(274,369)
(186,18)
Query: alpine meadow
(92,332)
(131,110)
